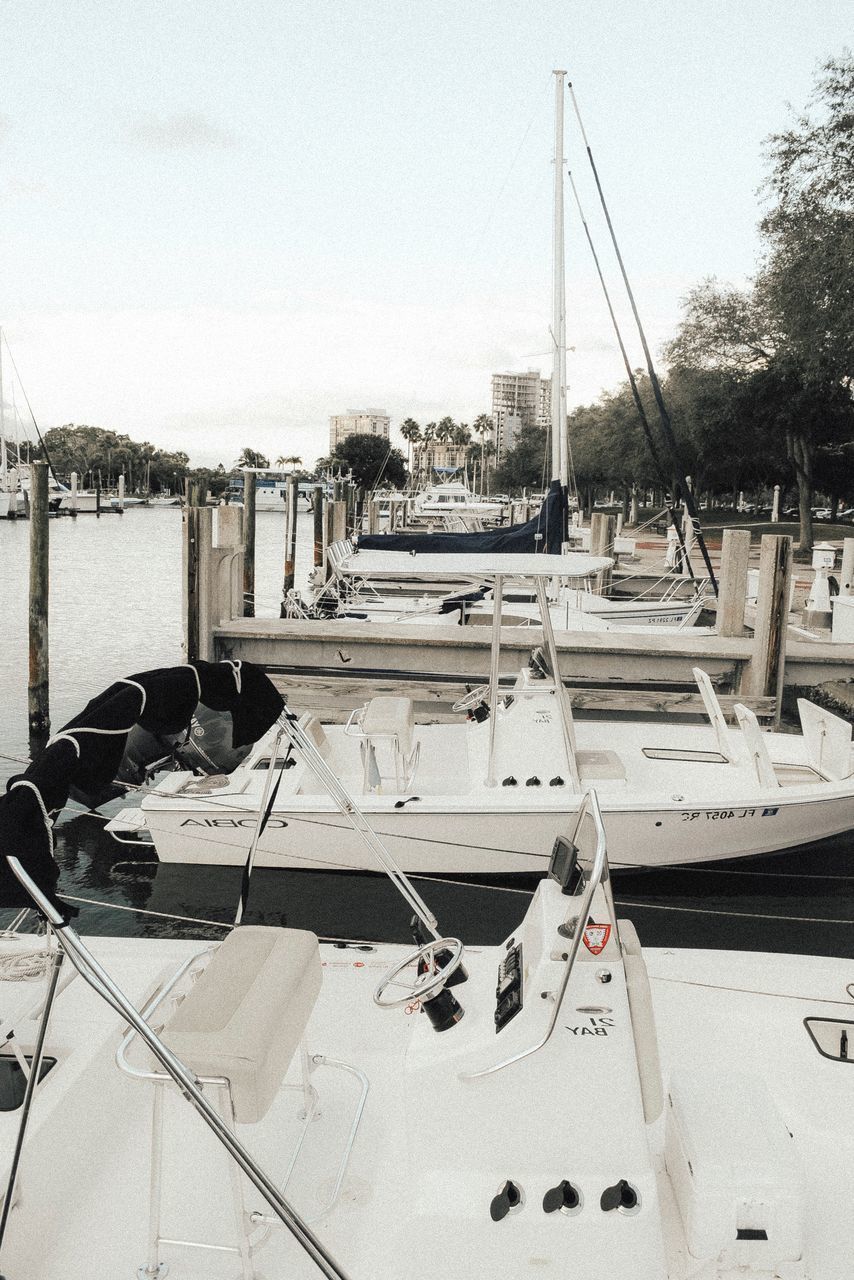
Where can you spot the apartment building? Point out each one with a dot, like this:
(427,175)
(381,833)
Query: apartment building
(358,422)
(518,400)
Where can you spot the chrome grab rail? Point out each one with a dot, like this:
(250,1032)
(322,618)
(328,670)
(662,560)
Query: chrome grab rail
(589,804)
(101,982)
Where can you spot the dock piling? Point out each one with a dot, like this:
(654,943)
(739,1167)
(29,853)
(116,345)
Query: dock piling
(764,674)
(317,511)
(249,495)
(602,544)
(291,534)
(735,550)
(38,692)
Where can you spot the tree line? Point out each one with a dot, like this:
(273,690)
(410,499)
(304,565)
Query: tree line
(760,378)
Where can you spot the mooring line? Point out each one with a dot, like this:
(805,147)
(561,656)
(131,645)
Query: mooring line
(737,915)
(217,924)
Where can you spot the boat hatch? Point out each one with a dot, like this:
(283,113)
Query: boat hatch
(13,1082)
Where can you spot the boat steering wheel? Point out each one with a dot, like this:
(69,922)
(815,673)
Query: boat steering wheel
(424,985)
(472,699)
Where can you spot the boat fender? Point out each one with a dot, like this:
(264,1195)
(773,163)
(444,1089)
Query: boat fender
(508,1198)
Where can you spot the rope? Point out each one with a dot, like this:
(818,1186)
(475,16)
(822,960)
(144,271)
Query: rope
(215,924)
(25,966)
(735,915)
(664,416)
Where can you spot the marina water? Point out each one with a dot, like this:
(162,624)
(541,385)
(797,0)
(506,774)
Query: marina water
(115,608)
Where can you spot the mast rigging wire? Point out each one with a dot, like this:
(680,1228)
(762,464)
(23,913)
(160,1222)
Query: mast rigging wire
(647,429)
(664,416)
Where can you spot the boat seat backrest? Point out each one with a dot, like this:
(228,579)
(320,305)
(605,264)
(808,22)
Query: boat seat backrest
(756,748)
(386,717)
(246,1014)
(827,739)
(314,730)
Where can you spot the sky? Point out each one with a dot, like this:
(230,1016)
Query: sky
(223,221)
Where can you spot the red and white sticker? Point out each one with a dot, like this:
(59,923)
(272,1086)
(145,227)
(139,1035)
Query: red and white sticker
(596,937)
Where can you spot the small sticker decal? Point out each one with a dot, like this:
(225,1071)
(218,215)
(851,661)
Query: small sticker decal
(770,813)
(596,937)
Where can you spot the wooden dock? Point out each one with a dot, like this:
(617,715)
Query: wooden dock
(332,666)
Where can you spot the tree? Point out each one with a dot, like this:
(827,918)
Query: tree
(250,459)
(523,466)
(293,460)
(371,460)
(411,433)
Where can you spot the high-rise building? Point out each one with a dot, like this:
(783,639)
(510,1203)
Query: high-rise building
(518,400)
(358,422)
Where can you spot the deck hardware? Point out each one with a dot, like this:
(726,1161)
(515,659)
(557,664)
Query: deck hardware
(509,782)
(557,781)
(603,975)
(508,1200)
(533,782)
(622,1196)
(751,1233)
(398,804)
(564,1197)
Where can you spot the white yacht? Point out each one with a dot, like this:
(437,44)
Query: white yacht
(284,1106)
(453,497)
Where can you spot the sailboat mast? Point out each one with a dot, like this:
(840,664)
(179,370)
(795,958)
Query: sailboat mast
(560,450)
(3,459)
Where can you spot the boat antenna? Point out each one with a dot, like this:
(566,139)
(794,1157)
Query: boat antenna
(630,373)
(664,416)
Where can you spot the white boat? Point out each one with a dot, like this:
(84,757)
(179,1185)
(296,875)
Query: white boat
(453,497)
(576,1105)
(490,794)
(574,605)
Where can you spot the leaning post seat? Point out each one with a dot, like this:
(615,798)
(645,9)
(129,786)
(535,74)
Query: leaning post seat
(386,717)
(245,1016)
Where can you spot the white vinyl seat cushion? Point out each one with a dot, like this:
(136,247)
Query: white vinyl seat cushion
(246,1014)
(387,717)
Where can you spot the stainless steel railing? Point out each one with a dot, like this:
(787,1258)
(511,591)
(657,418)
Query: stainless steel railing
(589,805)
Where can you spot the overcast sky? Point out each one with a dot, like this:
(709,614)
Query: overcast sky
(222,221)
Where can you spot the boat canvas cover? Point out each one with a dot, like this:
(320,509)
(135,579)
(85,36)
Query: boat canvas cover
(545,532)
(476,567)
(83,758)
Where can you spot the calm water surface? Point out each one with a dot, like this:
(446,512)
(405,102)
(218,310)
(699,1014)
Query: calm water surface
(115,609)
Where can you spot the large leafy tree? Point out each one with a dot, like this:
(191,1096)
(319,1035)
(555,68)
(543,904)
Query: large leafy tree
(371,461)
(789,337)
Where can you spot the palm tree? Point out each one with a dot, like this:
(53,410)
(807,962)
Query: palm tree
(411,433)
(483,427)
(251,458)
(429,437)
(292,461)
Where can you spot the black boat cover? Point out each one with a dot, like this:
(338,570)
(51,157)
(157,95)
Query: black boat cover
(545,532)
(83,757)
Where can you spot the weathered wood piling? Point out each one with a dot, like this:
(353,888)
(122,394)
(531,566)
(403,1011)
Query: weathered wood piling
(38,690)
